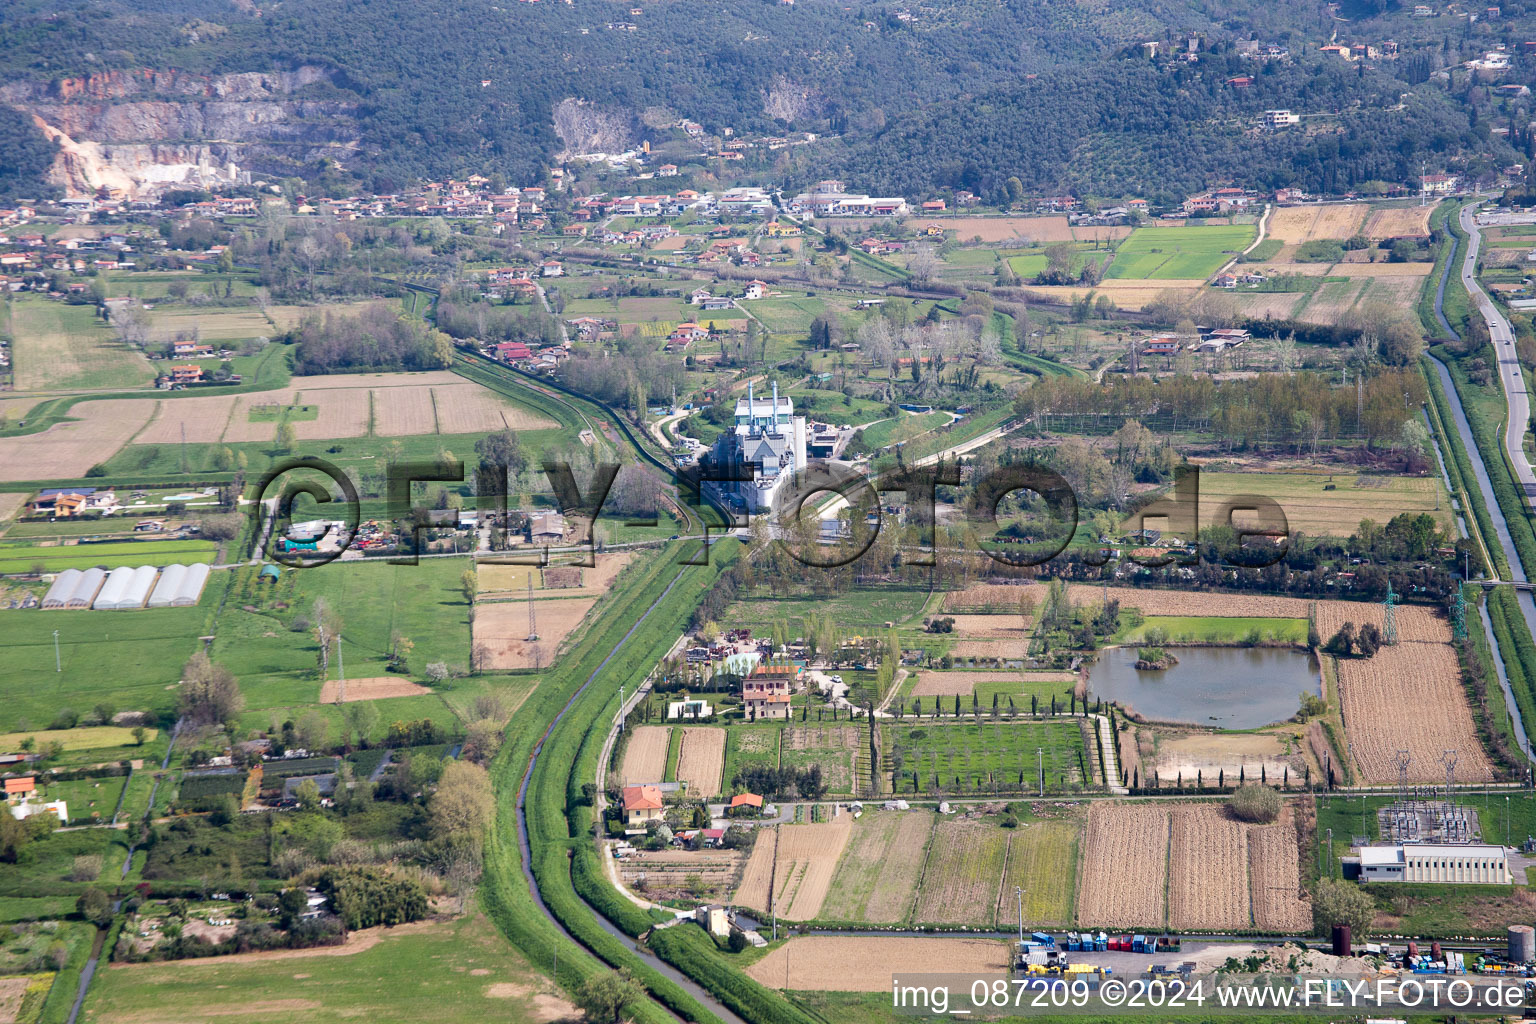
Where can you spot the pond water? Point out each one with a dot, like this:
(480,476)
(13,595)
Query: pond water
(1224,687)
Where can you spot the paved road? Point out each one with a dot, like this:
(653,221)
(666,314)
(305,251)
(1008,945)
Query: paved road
(1515,396)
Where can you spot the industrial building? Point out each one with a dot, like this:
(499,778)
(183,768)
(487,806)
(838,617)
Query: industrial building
(1430,863)
(179,586)
(767,445)
(126,588)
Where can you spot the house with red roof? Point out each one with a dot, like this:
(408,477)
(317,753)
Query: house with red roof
(642,805)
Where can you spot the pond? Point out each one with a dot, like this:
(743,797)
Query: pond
(1223,687)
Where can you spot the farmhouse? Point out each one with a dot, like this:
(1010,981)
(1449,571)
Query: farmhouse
(746,803)
(1431,863)
(64,502)
(642,805)
(766,693)
(19,789)
(546,528)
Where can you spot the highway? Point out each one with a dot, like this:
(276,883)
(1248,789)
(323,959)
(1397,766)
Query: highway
(1516,398)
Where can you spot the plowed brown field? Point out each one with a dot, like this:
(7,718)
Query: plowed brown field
(645,759)
(1219,872)
(1124,867)
(1274,879)
(1409,697)
(843,963)
(502,630)
(98,429)
(1399,222)
(1207,870)
(808,856)
(701,759)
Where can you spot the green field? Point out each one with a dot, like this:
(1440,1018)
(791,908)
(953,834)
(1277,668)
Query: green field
(1029,263)
(903,428)
(1042,688)
(1178,253)
(750,744)
(59,347)
(989,756)
(862,610)
(90,737)
(1042,860)
(455,971)
(24,558)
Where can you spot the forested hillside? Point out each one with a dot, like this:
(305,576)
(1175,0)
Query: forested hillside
(927,94)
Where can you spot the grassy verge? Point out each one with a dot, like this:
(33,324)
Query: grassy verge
(507,898)
(1486,695)
(1517,651)
(1458,467)
(1485,414)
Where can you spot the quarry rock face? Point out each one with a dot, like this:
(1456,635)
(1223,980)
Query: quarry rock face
(139,132)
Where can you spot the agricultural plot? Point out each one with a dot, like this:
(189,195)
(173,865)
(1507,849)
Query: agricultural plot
(1274,879)
(428,970)
(94,433)
(1213,755)
(501,637)
(1042,860)
(343,412)
(992,627)
(208,324)
(989,756)
(249,420)
(841,963)
(963,879)
(835,748)
(807,858)
(1206,861)
(877,878)
(701,760)
(1207,870)
(645,758)
(19,559)
(468,408)
(1415,623)
(683,874)
(338,691)
(1323,504)
(408,410)
(1178,253)
(989,598)
(199,419)
(1124,867)
(59,347)
(751,746)
(1332,300)
(1297,224)
(1409,697)
(1273,305)
(1130,293)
